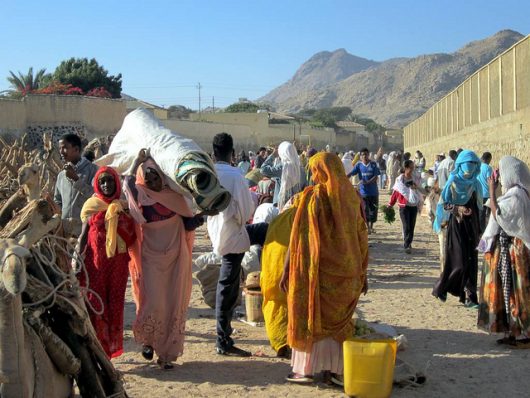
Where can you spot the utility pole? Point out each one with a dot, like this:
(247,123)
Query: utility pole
(199,88)
(213,104)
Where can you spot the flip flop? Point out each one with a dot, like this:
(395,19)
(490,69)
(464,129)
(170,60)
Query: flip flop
(299,379)
(164,365)
(521,344)
(510,340)
(335,379)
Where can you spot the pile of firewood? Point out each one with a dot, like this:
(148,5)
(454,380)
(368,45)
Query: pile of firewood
(54,302)
(25,176)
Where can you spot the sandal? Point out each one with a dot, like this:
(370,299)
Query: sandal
(338,380)
(284,352)
(521,344)
(147,352)
(299,379)
(509,340)
(164,365)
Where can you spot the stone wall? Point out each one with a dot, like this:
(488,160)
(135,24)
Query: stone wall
(90,117)
(250,133)
(489,111)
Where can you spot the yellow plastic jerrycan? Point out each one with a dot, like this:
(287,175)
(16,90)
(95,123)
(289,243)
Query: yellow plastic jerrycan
(369,367)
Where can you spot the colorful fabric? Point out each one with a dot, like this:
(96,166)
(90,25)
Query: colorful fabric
(492,316)
(167,198)
(113,208)
(411,195)
(463,180)
(106,270)
(160,269)
(272,265)
(460,186)
(328,257)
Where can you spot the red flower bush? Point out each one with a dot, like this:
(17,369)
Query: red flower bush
(99,92)
(73,91)
(54,88)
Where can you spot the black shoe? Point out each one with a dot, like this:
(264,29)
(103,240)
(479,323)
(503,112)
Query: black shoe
(442,297)
(147,352)
(164,365)
(284,352)
(233,352)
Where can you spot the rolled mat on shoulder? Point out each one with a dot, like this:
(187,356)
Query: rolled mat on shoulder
(194,172)
(189,170)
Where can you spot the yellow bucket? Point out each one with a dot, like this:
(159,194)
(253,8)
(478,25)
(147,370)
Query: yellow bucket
(369,367)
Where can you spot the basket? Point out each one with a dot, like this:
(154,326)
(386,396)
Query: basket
(253,304)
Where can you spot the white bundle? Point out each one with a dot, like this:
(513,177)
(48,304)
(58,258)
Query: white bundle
(173,153)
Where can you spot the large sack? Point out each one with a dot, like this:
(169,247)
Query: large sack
(189,170)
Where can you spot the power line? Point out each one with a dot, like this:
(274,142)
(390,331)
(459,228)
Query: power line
(199,88)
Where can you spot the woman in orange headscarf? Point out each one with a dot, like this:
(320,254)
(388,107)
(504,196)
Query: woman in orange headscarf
(160,261)
(326,271)
(107,232)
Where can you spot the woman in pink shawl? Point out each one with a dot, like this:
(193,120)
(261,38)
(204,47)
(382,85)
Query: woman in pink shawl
(161,259)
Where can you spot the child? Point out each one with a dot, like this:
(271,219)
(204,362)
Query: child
(106,234)
(409,199)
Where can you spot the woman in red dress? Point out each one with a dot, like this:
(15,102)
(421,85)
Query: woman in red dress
(107,233)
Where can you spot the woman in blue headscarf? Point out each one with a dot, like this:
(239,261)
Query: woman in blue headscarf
(459,207)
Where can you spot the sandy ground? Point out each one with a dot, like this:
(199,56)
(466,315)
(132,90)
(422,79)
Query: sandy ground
(458,359)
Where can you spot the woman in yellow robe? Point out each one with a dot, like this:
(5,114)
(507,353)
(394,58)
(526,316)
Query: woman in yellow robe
(274,299)
(326,272)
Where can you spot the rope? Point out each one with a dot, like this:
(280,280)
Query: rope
(52,243)
(410,377)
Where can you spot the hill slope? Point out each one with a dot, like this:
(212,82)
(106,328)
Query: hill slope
(393,92)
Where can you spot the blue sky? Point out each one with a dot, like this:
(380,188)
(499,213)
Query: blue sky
(235,48)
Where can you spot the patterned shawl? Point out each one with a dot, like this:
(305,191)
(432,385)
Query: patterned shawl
(328,256)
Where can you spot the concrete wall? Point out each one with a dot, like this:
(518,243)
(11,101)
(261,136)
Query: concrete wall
(252,135)
(489,111)
(98,116)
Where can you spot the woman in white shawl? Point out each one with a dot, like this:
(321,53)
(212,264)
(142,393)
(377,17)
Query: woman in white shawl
(505,293)
(347,162)
(288,174)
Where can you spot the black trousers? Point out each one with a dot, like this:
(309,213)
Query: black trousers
(484,215)
(228,286)
(408,216)
(371,204)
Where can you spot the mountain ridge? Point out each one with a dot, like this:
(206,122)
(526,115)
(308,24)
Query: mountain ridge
(392,92)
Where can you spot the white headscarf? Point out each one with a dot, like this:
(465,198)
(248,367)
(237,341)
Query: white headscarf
(513,214)
(514,172)
(347,160)
(290,170)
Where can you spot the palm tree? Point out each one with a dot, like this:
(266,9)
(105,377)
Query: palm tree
(24,84)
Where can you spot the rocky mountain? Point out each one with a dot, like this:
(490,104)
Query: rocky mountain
(322,69)
(393,92)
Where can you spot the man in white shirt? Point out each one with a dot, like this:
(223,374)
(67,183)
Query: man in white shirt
(231,238)
(444,169)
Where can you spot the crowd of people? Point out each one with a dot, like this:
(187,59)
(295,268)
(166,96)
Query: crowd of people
(311,212)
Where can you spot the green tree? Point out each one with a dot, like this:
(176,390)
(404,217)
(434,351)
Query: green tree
(339,112)
(247,107)
(324,117)
(26,83)
(87,75)
(179,112)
